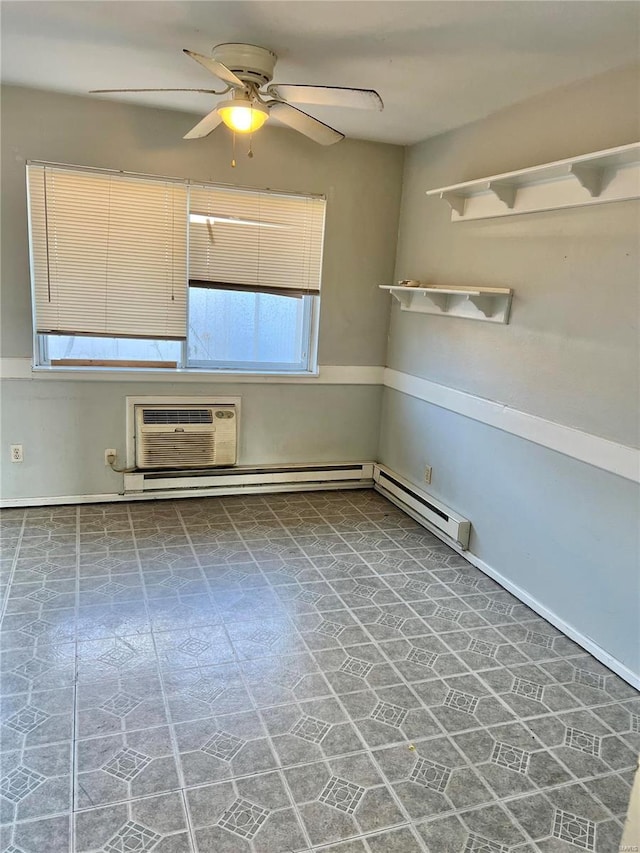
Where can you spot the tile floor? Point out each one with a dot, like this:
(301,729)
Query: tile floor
(304,672)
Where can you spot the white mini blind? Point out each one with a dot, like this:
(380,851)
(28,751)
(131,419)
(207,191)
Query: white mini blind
(255,240)
(109,254)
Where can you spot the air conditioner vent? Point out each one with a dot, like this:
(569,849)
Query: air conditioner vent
(178,416)
(185,436)
(177,450)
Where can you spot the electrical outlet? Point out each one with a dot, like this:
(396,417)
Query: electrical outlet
(16,453)
(110,452)
(427,474)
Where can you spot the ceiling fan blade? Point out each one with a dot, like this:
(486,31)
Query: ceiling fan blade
(328,96)
(303,123)
(216,68)
(108,91)
(205,126)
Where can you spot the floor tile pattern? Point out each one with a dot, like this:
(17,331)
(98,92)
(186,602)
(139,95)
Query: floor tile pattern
(341,795)
(290,673)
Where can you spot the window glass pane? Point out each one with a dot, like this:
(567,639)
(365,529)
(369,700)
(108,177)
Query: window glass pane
(117,349)
(232,326)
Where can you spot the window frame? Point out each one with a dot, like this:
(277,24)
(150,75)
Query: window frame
(307,367)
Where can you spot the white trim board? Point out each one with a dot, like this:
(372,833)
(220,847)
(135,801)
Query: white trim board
(522,595)
(171,494)
(328,374)
(568,630)
(600,452)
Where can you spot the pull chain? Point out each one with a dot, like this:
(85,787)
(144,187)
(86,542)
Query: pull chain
(250,151)
(233,156)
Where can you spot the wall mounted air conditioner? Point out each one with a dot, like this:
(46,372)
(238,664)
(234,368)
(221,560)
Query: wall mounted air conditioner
(185,435)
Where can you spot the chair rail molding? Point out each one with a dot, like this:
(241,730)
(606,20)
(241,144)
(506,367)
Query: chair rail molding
(592,449)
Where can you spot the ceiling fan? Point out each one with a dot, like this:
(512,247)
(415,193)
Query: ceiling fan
(247,72)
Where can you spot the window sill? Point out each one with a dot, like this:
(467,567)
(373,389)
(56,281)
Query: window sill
(192,374)
(22,369)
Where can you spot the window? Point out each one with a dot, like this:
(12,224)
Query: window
(231,328)
(134,272)
(59,349)
(254,278)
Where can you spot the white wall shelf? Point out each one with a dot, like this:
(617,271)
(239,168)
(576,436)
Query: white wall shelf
(491,304)
(604,176)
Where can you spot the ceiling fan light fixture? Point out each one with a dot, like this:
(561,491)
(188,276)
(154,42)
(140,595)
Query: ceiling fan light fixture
(242,115)
(246,70)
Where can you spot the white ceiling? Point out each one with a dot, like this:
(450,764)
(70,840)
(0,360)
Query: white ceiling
(437,65)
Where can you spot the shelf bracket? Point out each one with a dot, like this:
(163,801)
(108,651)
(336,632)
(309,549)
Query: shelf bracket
(590,177)
(403,298)
(438,300)
(483,304)
(456,202)
(504,191)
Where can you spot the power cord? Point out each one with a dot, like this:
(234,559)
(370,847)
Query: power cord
(111,459)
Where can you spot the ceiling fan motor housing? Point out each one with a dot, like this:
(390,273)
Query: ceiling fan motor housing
(252,64)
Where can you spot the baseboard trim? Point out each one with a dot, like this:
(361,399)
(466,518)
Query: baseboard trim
(522,595)
(60,500)
(607,455)
(568,630)
(169,494)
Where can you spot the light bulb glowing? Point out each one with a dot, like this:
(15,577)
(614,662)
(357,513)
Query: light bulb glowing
(242,115)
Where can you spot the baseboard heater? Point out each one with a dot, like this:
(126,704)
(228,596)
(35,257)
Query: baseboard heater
(239,479)
(432,514)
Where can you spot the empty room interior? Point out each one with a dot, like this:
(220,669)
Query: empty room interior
(320,403)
